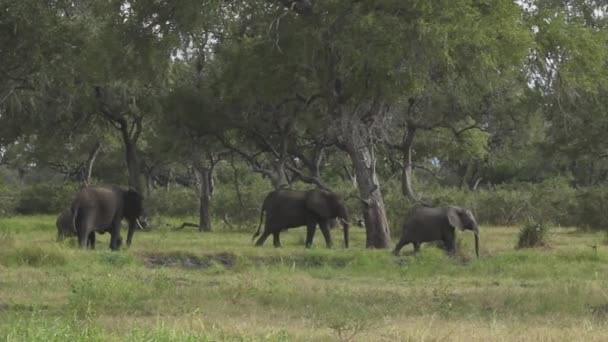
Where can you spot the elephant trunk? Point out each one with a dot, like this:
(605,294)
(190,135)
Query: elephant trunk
(476,231)
(345,227)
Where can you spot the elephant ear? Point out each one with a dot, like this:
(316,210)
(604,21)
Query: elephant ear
(453,214)
(320,203)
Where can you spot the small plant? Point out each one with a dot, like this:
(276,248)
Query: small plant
(533,234)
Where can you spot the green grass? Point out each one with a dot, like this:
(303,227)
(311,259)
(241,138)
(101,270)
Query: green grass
(185,285)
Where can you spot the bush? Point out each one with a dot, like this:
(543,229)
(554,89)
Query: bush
(242,208)
(591,209)
(533,234)
(45,198)
(9,198)
(177,201)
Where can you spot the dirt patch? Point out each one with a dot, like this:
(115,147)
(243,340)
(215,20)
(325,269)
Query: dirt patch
(298,261)
(189,260)
(228,260)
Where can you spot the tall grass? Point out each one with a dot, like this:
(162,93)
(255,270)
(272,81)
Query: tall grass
(186,285)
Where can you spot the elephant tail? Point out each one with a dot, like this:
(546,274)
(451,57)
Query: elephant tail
(260,225)
(74,217)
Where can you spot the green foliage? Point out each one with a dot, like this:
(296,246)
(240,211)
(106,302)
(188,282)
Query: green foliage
(45,198)
(533,234)
(9,197)
(592,208)
(242,207)
(178,201)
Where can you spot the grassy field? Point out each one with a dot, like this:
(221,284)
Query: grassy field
(184,285)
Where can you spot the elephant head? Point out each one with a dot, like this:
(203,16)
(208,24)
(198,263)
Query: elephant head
(463,219)
(64,225)
(133,207)
(132,211)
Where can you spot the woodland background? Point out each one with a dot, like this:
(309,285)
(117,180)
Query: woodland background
(205,106)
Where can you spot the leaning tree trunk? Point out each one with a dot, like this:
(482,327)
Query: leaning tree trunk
(374,214)
(408,168)
(90,162)
(133,166)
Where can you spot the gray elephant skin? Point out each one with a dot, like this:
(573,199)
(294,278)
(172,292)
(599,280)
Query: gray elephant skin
(101,209)
(286,209)
(425,224)
(65,228)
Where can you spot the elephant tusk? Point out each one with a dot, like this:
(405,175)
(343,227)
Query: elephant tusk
(139,224)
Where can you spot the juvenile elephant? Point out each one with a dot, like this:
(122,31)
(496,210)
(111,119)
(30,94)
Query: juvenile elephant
(102,209)
(295,208)
(426,224)
(65,228)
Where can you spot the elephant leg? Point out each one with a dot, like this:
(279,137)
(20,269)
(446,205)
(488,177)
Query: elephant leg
(276,240)
(91,240)
(310,233)
(323,225)
(84,224)
(402,242)
(130,234)
(263,238)
(82,237)
(416,247)
(115,239)
(450,243)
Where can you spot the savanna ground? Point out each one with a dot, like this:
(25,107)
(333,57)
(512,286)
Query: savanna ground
(184,285)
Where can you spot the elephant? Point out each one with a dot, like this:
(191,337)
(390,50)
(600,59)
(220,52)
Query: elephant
(426,224)
(101,209)
(65,228)
(295,208)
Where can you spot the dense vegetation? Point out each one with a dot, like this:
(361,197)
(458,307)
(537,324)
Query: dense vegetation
(491,104)
(206,106)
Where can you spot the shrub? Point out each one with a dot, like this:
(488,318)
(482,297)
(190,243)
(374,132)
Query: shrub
(178,201)
(591,209)
(8,200)
(532,234)
(45,198)
(243,207)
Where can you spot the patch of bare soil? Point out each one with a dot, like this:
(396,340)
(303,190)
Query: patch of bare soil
(189,260)
(228,260)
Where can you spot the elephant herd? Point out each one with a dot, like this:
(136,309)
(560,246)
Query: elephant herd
(101,209)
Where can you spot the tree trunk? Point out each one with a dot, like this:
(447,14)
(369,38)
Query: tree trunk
(408,169)
(90,162)
(280,178)
(203,175)
(468,174)
(204,221)
(133,166)
(374,214)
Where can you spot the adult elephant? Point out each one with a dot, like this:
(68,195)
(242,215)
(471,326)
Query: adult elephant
(295,208)
(102,209)
(426,224)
